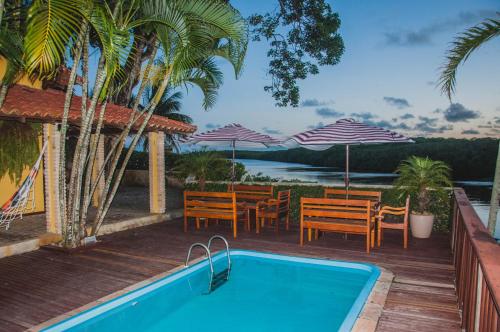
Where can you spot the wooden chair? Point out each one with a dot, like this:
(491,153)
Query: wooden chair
(384,222)
(335,215)
(374,196)
(214,206)
(274,210)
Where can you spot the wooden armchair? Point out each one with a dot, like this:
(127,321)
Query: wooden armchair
(386,213)
(274,210)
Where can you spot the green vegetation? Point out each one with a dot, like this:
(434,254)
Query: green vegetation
(421,177)
(18,148)
(468,159)
(206,166)
(441,207)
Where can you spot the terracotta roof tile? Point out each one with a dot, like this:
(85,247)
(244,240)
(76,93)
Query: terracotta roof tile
(47,105)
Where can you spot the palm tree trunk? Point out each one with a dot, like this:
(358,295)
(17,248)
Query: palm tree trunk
(64,128)
(150,109)
(2,7)
(495,196)
(3,92)
(102,210)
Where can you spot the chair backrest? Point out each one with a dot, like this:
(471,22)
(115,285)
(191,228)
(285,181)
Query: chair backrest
(374,196)
(398,211)
(210,201)
(283,201)
(337,209)
(247,192)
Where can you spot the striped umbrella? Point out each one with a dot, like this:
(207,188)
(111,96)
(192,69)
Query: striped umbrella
(233,135)
(345,131)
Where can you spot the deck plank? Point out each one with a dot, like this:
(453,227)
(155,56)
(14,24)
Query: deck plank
(40,285)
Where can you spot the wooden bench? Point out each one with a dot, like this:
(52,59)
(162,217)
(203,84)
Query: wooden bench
(216,206)
(374,196)
(251,193)
(336,215)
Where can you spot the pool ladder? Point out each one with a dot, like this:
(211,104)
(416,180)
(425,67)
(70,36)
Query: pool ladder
(216,279)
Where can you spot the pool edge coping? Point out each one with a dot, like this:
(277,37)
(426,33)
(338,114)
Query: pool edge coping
(369,316)
(366,321)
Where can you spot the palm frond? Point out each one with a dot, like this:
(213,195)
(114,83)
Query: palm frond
(462,48)
(51,25)
(11,49)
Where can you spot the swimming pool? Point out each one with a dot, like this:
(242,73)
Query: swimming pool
(265,292)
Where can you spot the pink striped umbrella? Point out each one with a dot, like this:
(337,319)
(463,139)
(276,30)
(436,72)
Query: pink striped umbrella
(348,132)
(235,135)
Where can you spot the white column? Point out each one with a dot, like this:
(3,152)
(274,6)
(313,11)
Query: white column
(51,159)
(157,195)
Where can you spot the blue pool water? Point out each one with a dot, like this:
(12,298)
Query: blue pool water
(265,292)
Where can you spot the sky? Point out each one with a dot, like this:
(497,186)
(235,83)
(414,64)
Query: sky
(387,75)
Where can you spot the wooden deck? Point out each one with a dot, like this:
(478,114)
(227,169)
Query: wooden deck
(40,285)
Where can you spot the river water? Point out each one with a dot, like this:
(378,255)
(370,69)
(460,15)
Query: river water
(479,192)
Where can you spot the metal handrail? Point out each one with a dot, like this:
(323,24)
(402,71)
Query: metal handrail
(194,245)
(227,251)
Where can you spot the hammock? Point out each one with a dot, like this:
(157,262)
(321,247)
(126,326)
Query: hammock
(23,200)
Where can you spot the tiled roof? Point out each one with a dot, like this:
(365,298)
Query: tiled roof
(47,106)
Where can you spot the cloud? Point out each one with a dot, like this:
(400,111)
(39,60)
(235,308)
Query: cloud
(328,112)
(271,131)
(429,126)
(364,115)
(428,121)
(407,116)
(457,112)
(388,125)
(313,102)
(424,35)
(317,125)
(212,126)
(397,102)
(470,132)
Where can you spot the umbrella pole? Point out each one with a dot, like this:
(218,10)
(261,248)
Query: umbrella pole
(346,179)
(233,170)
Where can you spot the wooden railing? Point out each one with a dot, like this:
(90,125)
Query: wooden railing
(476,257)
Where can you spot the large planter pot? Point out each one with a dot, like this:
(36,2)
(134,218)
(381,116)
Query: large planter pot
(421,225)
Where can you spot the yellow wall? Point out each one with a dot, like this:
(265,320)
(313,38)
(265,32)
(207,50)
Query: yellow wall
(24,80)
(8,187)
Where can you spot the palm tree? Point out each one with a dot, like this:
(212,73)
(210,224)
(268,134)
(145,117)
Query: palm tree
(169,106)
(418,177)
(463,46)
(185,37)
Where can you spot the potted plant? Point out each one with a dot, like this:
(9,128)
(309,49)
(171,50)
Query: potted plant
(423,179)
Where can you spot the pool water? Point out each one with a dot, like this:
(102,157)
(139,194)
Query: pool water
(265,292)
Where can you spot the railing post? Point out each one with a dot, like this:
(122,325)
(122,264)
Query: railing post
(479,292)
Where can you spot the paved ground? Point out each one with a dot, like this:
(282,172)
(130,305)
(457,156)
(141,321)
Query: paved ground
(130,202)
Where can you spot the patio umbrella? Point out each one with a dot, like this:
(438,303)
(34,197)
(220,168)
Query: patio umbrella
(234,135)
(348,132)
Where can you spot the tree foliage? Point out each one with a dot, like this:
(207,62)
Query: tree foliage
(18,148)
(176,43)
(462,155)
(463,46)
(302,35)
